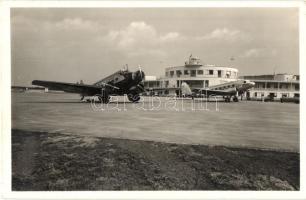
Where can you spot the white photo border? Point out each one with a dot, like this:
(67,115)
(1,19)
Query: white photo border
(5,105)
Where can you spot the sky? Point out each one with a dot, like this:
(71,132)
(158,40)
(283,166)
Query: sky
(70,44)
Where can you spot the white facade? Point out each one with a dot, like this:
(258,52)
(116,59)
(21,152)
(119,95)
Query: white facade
(203,76)
(195,74)
(277,86)
(150,78)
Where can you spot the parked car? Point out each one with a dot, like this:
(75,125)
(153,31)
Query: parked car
(290,99)
(269,98)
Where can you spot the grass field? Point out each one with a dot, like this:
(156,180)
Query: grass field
(56,162)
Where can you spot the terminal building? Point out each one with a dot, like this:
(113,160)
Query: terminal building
(194,73)
(198,75)
(274,86)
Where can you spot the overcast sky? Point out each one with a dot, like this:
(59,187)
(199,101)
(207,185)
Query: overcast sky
(69,44)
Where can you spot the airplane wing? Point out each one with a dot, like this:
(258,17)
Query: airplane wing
(207,92)
(210,92)
(84,89)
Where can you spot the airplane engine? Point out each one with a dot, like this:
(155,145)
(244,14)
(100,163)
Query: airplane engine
(134,92)
(133,98)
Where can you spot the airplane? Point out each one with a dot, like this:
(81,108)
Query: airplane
(119,83)
(226,90)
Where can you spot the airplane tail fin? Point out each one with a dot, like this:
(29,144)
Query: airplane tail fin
(185,89)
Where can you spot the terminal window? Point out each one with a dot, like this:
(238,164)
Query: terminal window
(171,73)
(283,86)
(186,72)
(166,83)
(211,72)
(200,72)
(193,73)
(219,73)
(268,85)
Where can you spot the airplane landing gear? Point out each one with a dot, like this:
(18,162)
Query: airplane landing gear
(104,97)
(235,99)
(227,99)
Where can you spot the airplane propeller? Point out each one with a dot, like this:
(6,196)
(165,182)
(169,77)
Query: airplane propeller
(139,67)
(237,91)
(141,84)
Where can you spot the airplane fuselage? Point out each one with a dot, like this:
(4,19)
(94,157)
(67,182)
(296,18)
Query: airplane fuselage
(126,82)
(226,90)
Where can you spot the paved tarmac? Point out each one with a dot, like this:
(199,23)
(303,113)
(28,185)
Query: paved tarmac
(268,125)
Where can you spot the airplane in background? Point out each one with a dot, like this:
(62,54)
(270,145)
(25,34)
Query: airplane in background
(119,83)
(226,90)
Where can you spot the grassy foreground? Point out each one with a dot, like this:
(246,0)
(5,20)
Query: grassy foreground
(56,162)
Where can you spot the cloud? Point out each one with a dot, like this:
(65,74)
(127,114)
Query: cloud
(259,52)
(24,23)
(251,53)
(77,23)
(135,34)
(140,38)
(171,36)
(224,34)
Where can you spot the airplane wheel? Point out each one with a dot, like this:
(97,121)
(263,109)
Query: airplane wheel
(235,99)
(105,99)
(133,98)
